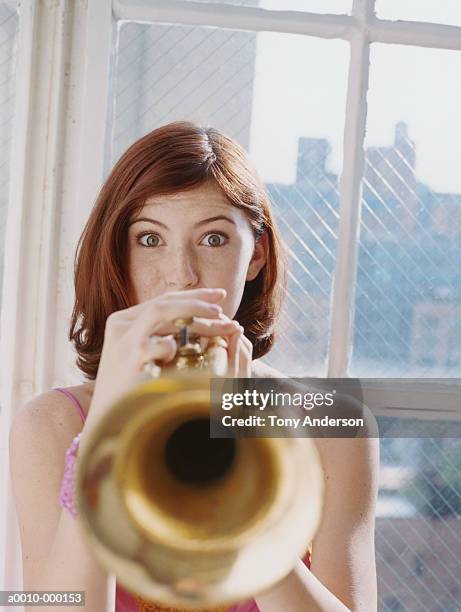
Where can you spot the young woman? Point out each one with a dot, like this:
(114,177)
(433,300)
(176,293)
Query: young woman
(182,227)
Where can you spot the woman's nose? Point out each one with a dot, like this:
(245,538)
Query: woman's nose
(182,273)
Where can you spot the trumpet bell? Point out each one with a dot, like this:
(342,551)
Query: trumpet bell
(185,519)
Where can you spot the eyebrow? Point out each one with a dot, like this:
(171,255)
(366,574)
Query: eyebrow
(200,223)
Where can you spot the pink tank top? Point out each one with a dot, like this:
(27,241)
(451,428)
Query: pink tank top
(129,602)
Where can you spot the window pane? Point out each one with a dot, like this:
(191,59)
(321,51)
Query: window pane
(312,6)
(280,96)
(447,12)
(8,32)
(418,526)
(407,305)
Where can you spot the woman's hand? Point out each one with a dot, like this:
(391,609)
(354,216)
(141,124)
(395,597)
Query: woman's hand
(128,341)
(239,354)
(144,332)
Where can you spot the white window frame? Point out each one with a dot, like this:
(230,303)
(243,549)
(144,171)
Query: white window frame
(57,163)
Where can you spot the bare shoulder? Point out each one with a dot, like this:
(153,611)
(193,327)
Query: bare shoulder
(46,407)
(39,434)
(51,415)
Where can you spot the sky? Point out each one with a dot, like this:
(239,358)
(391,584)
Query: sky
(300,90)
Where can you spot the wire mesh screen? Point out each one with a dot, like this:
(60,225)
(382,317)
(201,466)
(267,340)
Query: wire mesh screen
(165,73)
(407,313)
(408,296)
(308,214)
(8,35)
(418,525)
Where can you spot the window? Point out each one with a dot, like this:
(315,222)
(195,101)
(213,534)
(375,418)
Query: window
(8,36)
(408,279)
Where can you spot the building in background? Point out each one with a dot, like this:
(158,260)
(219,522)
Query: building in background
(408,293)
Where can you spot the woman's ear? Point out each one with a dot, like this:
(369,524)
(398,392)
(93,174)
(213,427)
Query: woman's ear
(259,257)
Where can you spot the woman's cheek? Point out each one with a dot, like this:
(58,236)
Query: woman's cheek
(146,281)
(235,286)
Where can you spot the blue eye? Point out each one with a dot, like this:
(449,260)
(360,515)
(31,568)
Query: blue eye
(152,239)
(215,242)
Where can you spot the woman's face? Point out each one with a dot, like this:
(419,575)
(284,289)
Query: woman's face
(174,244)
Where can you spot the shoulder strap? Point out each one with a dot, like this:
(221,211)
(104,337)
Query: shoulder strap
(72,397)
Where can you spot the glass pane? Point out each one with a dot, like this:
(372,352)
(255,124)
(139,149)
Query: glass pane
(8,32)
(407,306)
(282,97)
(312,6)
(447,12)
(418,526)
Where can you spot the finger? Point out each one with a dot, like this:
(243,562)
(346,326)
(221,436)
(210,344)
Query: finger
(205,294)
(247,342)
(244,359)
(211,294)
(204,340)
(233,352)
(159,317)
(157,348)
(200,327)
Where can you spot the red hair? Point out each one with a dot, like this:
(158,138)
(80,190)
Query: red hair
(172,158)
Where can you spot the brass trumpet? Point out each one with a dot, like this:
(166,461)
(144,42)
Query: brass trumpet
(187,520)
